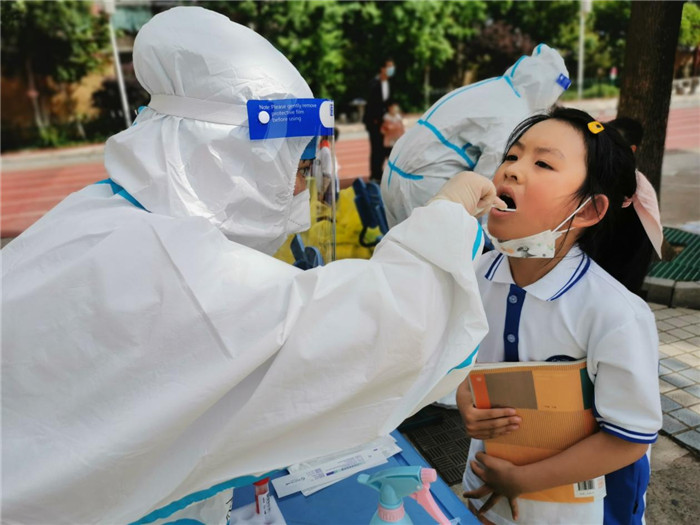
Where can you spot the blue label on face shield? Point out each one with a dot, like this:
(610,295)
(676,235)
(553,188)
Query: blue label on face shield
(300,117)
(563,81)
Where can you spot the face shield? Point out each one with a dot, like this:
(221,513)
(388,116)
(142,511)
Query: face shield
(312,219)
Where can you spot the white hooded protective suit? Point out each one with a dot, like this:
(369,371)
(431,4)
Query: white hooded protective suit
(152,355)
(467,129)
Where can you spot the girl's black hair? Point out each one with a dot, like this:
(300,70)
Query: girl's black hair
(618,243)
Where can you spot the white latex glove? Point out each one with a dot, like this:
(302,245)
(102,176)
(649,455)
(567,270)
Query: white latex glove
(473,191)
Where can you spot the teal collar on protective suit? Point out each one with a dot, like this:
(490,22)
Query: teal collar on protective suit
(118,190)
(171,508)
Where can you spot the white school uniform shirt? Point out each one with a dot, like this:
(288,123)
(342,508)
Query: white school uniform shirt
(578,310)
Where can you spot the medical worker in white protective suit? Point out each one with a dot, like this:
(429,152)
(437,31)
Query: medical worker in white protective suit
(467,129)
(153,351)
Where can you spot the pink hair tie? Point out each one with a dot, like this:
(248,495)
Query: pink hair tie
(647,207)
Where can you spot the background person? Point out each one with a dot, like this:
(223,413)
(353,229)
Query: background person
(378,92)
(154,352)
(392,126)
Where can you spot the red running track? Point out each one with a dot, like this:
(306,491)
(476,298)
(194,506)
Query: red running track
(29,194)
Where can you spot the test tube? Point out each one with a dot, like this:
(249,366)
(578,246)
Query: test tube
(262,499)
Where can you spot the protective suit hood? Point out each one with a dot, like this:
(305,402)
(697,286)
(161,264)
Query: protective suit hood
(540,78)
(189,153)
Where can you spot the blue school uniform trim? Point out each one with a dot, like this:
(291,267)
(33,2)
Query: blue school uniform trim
(623,433)
(494,266)
(627,435)
(580,271)
(514,307)
(624,502)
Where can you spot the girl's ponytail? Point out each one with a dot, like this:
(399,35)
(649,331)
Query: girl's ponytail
(618,243)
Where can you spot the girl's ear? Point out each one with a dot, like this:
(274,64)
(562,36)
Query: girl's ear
(592,213)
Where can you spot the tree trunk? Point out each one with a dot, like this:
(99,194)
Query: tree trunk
(645,92)
(426,87)
(33,94)
(70,106)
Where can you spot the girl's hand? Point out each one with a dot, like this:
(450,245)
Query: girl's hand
(484,423)
(500,479)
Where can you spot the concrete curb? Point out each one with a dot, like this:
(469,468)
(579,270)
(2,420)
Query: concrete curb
(674,294)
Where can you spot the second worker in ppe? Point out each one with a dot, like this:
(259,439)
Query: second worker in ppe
(153,350)
(467,129)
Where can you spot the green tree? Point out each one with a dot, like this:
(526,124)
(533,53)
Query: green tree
(556,24)
(51,43)
(609,24)
(426,39)
(308,33)
(337,46)
(430,34)
(690,25)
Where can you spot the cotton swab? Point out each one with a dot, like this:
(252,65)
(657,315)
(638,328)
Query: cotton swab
(503,209)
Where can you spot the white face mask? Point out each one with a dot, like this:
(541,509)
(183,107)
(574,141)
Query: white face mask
(300,214)
(390,71)
(540,245)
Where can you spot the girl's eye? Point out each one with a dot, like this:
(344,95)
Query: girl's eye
(543,164)
(511,157)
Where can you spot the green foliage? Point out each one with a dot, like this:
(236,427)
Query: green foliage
(557,24)
(594,89)
(338,46)
(61,39)
(690,25)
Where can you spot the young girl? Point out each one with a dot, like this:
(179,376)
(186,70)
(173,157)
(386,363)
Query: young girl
(392,126)
(566,290)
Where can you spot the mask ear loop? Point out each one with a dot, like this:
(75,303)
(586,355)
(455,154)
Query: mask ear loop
(571,218)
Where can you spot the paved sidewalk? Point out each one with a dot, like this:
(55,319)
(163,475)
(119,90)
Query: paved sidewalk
(679,373)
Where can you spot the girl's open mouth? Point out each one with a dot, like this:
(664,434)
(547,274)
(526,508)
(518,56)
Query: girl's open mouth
(508,200)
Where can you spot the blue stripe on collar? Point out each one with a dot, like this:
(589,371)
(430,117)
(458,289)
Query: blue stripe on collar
(494,266)
(580,271)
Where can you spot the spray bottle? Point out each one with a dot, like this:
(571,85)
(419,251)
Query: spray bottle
(396,483)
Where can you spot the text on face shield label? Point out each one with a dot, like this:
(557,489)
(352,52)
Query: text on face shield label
(302,117)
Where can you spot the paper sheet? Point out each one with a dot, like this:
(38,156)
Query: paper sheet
(313,475)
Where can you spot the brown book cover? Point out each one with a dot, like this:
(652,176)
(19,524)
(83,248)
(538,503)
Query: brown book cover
(555,402)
